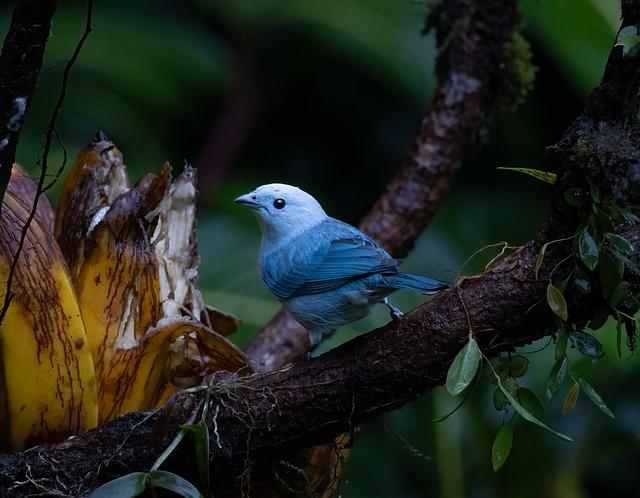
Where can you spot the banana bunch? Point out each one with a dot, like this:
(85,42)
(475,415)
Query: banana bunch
(105,316)
(133,258)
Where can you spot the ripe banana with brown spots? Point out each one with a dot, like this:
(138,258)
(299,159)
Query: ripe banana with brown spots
(47,380)
(133,256)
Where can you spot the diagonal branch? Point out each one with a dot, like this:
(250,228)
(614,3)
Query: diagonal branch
(20,64)
(471,36)
(312,402)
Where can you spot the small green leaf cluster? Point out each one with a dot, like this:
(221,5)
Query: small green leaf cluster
(135,483)
(561,371)
(600,258)
(508,395)
(513,399)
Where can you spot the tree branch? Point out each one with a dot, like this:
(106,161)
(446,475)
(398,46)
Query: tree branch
(615,98)
(471,36)
(312,402)
(20,64)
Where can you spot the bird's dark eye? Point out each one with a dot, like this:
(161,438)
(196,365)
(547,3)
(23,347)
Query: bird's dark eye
(279,203)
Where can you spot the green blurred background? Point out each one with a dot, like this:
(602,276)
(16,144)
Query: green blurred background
(327,95)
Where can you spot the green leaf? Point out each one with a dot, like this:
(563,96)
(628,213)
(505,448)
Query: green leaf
(531,402)
(602,219)
(593,395)
(200,434)
(556,302)
(589,250)
(165,454)
(599,318)
(123,487)
(499,399)
(571,398)
(620,243)
(561,344)
(561,285)
(619,339)
(625,259)
(556,377)
(173,482)
(545,176)
(586,344)
(628,304)
(594,191)
(511,385)
(610,273)
(518,366)
(540,258)
(502,369)
(543,250)
(464,367)
(574,196)
(524,413)
(618,294)
(629,40)
(501,447)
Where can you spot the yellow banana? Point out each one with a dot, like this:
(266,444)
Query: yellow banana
(134,261)
(97,178)
(47,381)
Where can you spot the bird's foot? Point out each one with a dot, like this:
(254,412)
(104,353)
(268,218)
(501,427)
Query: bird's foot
(394,312)
(315,336)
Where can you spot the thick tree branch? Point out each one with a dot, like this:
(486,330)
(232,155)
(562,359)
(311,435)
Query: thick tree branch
(312,402)
(20,63)
(471,37)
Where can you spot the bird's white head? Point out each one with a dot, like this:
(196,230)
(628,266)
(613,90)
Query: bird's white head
(282,210)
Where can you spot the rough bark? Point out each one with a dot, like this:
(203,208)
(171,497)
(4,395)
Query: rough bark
(471,36)
(311,402)
(20,63)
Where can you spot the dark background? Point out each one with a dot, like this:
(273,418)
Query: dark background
(327,95)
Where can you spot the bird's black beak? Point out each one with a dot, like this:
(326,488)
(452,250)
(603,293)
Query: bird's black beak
(248,201)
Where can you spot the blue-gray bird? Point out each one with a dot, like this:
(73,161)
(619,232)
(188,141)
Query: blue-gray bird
(325,272)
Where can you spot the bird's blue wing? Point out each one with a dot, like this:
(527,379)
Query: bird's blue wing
(330,267)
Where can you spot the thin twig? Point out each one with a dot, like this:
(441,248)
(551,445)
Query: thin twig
(51,131)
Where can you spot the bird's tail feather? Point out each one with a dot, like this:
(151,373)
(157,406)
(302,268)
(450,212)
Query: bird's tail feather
(416,283)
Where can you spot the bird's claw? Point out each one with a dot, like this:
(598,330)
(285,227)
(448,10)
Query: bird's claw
(394,312)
